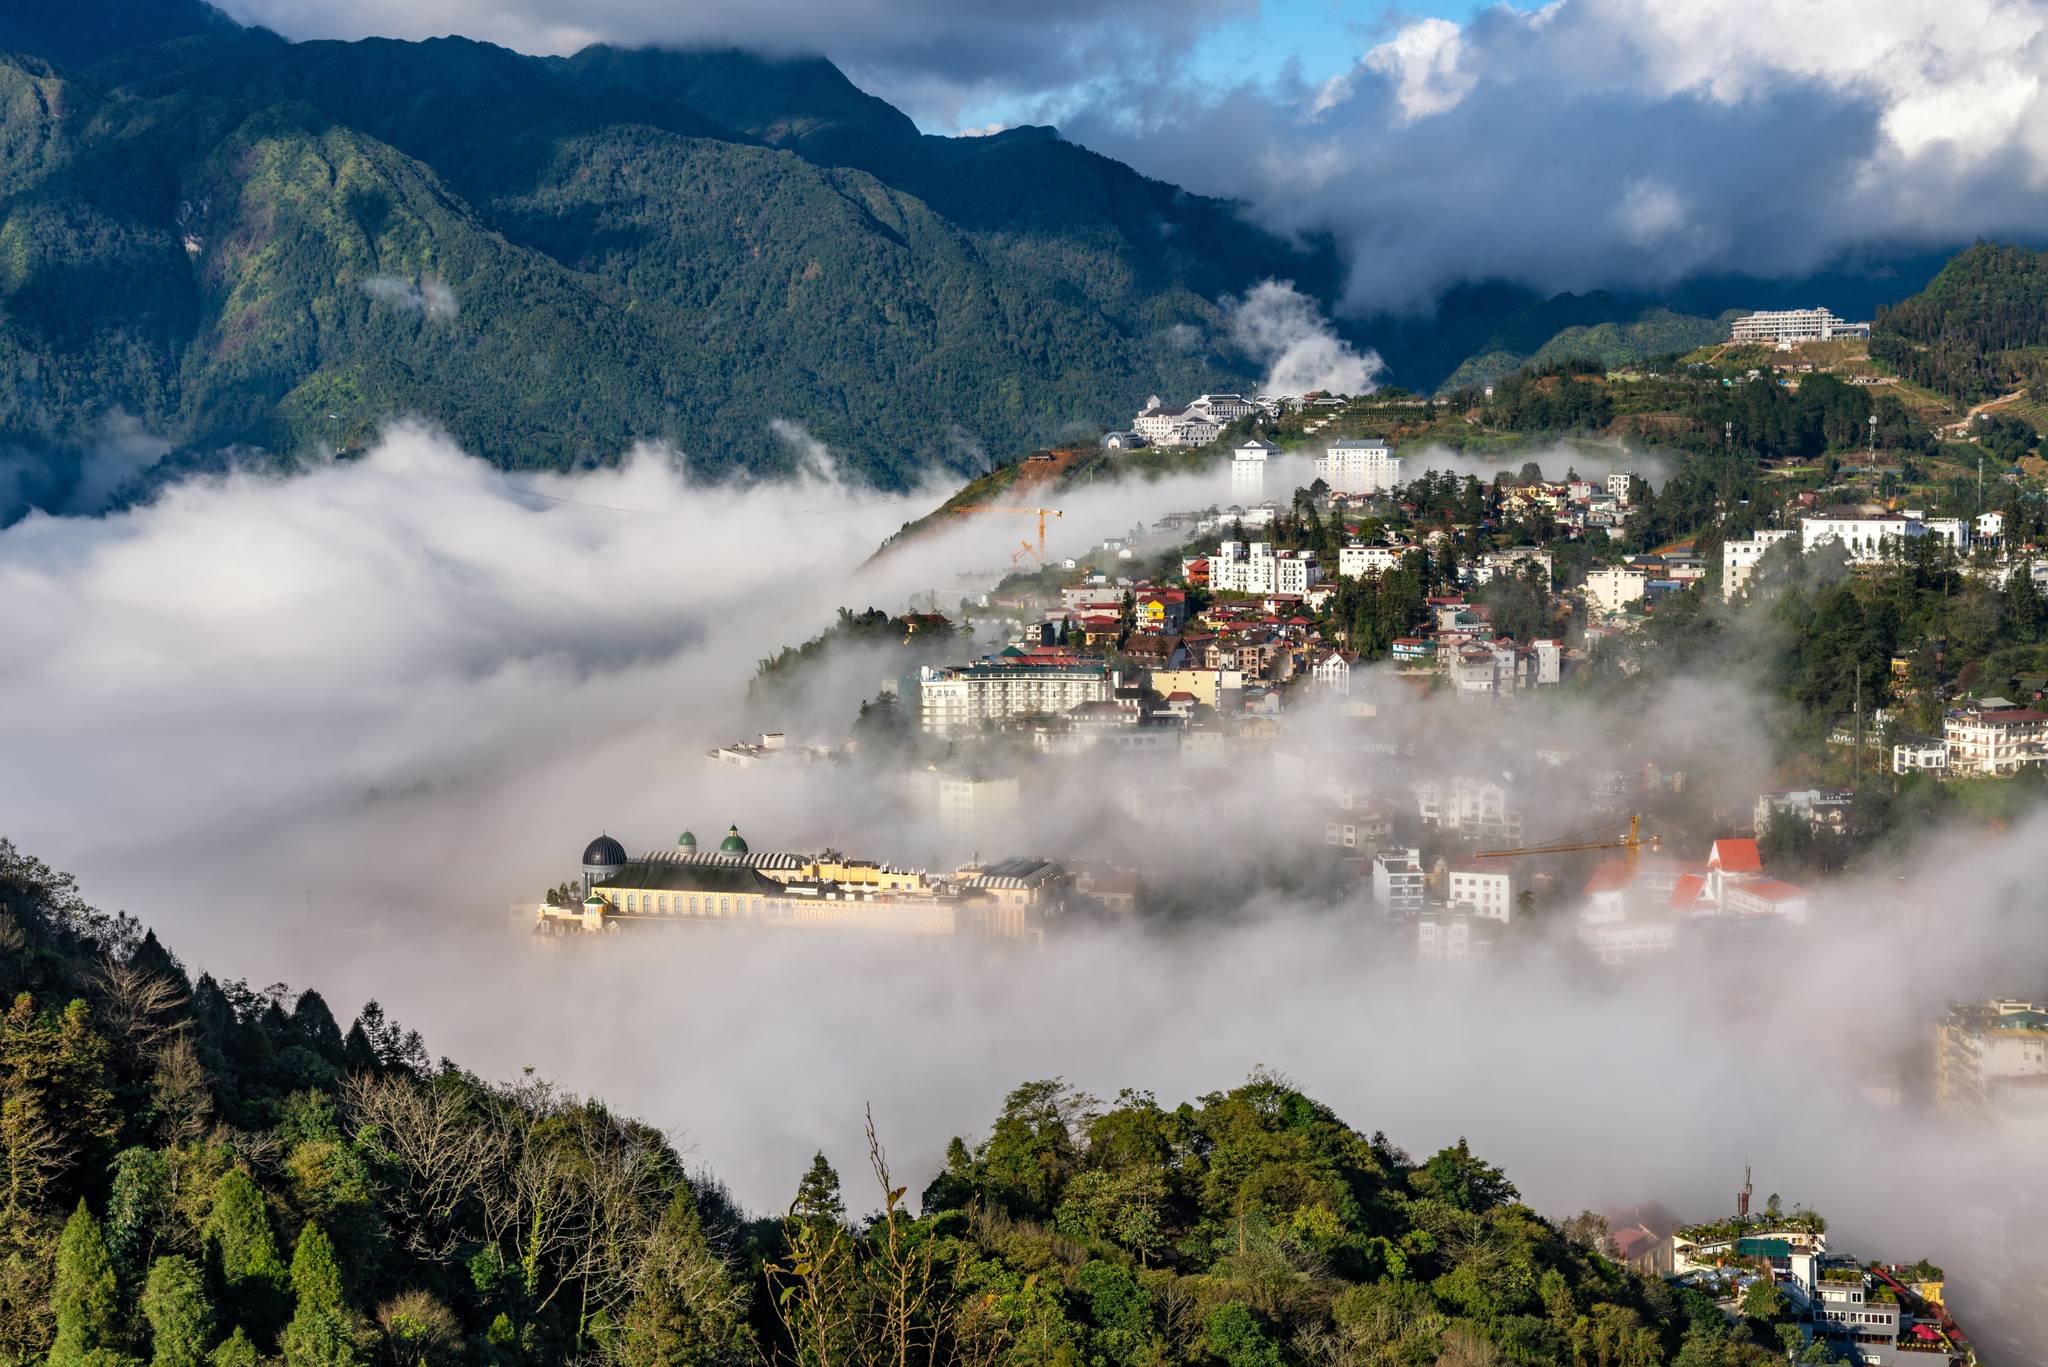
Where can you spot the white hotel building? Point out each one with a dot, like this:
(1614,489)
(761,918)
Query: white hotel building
(1359,467)
(1739,559)
(1355,561)
(961,697)
(1867,539)
(1248,470)
(1788,326)
(1253,567)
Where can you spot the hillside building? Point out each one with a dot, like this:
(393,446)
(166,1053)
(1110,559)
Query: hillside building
(957,698)
(733,886)
(1355,466)
(1789,327)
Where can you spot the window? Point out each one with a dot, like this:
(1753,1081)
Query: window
(629,901)
(664,904)
(725,906)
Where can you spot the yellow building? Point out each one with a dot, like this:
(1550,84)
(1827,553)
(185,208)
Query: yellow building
(735,886)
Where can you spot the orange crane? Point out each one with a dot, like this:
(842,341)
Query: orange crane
(1634,843)
(1041,513)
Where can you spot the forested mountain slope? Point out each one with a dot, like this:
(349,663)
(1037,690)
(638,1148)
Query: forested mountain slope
(1978,330)
(196,1173)
(243,242)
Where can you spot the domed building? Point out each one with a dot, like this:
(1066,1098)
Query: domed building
(602,858)
(686,843)
(733,843)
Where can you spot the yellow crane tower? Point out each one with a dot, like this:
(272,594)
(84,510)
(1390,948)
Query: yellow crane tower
(1633,844)
(1041,513)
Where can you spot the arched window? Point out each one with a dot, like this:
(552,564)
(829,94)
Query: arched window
(664,904)
(693,904)
(725,906)
(629,901)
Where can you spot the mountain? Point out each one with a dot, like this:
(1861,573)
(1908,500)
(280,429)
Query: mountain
(219,246)
(238,244)
(1978,330)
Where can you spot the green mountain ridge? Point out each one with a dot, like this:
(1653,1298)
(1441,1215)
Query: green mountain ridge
(227,240)
(225,237)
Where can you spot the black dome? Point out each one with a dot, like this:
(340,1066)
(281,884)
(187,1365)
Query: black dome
(604,851)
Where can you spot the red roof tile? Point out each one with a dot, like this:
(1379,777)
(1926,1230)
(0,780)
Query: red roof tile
(1736,856)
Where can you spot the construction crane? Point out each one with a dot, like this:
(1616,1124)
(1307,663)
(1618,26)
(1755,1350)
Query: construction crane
(1633,844)
(1041,513)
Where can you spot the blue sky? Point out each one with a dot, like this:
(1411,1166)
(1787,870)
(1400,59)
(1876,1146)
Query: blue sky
(1324,37)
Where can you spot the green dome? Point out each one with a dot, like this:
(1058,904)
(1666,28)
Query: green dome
(732,844)
(686,841)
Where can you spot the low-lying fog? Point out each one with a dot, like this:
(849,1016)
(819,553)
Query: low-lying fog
(329,730)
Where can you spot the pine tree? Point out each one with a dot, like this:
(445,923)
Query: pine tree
(236,1350)
(239,1238)
(86,1299)
(321,1333)
(817,1195)
(688,1311)
(180,1315)
(136,1208)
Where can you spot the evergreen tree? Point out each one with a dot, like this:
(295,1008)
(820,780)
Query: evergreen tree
(136,1209)
(321,1333)
(180,1315)
(86,1298)
(236,1350)
(239,1238)
(688,1312)
(818,1201)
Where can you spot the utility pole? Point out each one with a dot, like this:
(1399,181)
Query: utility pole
(1856,764)
(1871,451)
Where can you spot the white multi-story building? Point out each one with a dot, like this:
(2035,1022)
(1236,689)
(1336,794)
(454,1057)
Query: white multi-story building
(1332,671)
(1452,938)
(1359,467)
(1619,483)
(1955,531)
(1398,883)
(1920,753)
(1512,563)
(1994,737)
(1993,1056)
(1467,807)
(1612,590)
(969,802)
(1295,572)
(1254,567)
(1248,470)
(1357,560)
(1549,655)
(1483,892)
(961,697)
(1787,326)
(1222,409)
(1242,567)
(1739,559)
(1867,539)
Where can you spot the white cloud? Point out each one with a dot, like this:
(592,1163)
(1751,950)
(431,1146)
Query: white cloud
(1281,328)
(428,295)
(1768,139)
(1422,62)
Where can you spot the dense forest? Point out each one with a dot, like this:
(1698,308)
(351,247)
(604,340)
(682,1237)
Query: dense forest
(1979,329)
(236,241)
(199,1174)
